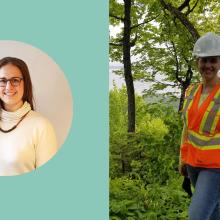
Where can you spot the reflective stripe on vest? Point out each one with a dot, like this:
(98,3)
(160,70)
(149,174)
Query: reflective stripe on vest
(210,118)
(188,102)
(203,142)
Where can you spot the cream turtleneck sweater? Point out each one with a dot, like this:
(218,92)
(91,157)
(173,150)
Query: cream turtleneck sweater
(31,144)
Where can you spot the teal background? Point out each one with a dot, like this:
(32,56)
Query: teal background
(74,184)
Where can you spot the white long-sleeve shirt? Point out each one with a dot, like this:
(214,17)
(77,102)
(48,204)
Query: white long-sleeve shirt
(31,144)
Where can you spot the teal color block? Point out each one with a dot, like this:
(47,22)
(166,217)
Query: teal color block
(74,184)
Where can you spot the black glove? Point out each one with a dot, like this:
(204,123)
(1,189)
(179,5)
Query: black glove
(187,186)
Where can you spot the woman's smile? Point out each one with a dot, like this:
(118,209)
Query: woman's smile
(209,72)
(10,94)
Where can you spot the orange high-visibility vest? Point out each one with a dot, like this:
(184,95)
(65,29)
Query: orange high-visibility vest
(201,148)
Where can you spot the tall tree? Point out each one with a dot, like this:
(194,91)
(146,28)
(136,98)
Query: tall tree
(130,16)
(127,65)
(126,48)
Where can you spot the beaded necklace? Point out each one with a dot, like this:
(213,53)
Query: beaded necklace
(15,126)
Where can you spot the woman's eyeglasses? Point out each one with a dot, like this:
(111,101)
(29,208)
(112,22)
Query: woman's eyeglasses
(14,81)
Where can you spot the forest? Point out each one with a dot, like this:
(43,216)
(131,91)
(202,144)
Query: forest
(155,40)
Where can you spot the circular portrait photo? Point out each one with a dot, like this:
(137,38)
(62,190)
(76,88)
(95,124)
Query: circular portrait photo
(35,108)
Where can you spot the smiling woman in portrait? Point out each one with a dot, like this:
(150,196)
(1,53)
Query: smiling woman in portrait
(27,139)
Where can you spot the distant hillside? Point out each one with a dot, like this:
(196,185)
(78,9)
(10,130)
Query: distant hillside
(161,98)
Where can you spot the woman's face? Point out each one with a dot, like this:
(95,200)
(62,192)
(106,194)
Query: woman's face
(11,92)
(208,67)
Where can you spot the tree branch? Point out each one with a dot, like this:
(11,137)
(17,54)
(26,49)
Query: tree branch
(178,14)
(165,84)
(184,5)
(145,22)
(132,43)
(117,45)
(191,10)
(116,17)
(177,64)
(189,74)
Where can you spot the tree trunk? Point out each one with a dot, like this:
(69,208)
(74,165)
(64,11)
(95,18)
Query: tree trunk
(182,97)
(127,66)
(184,86)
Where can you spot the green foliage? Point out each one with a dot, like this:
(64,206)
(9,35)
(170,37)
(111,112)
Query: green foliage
(118,111)
(115,8)
(163,43)
(152,127)
(144,181)
(168,202)
(128,198)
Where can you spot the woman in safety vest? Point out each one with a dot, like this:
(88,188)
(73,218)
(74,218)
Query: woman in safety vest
(200,147)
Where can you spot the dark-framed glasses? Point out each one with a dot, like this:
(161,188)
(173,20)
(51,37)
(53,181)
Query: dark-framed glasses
(14,81)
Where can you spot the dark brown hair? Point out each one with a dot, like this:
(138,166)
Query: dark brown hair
(28,90)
